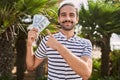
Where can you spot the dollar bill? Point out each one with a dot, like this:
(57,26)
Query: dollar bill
(40,22)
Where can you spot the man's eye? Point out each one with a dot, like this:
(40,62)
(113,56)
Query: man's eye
(72,15)
(63,15)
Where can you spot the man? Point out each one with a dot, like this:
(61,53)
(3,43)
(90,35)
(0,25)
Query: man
(69,57)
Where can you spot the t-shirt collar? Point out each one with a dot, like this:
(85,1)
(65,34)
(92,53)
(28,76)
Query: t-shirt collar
(62,36)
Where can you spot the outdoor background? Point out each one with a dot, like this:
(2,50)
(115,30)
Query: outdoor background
(99,21)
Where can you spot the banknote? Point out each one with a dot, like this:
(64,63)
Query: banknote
(40,22)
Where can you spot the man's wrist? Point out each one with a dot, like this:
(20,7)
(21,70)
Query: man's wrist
(29,44)
(59,47)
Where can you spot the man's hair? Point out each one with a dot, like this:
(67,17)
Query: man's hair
(68,4)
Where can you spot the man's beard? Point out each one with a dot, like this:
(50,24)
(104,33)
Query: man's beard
(67,28)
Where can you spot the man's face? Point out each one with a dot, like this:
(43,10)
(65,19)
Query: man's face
(68,17)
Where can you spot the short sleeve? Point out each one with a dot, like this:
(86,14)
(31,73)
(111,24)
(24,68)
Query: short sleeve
(87,49)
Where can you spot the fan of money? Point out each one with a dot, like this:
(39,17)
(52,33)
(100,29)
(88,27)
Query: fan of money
(40,22)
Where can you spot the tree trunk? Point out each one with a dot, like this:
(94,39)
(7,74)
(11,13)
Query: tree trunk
(105,49)
(21,55)
(7,57)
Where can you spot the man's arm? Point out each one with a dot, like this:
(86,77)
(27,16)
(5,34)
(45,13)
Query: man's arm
(81,65)
(31,61)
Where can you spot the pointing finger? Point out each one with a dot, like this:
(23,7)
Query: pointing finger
(35,29)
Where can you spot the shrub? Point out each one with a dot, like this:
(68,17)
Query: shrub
(114,67)
(115,63)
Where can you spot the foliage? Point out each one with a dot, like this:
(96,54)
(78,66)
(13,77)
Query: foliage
(96,64)
(13,13)
(45,78)
(106,78)
(115,63)
(100,19)
(96,69)
(96,72)
(98,23)
(6,77)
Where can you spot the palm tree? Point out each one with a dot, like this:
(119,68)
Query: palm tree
(98,23)
(11,14)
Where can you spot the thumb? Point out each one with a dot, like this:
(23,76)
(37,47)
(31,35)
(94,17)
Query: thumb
(49,33)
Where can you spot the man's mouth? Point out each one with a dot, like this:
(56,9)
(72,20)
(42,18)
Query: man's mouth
(67,21)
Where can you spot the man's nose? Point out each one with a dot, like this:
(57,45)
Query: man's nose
(67,17)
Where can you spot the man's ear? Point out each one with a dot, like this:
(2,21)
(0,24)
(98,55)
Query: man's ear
(58,20)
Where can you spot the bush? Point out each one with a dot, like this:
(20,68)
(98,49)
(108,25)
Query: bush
(7,78)
(114,67)
(96,69)
(45,78)
(115,63)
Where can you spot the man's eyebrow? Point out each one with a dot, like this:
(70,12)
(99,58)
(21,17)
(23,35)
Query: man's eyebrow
(63,12)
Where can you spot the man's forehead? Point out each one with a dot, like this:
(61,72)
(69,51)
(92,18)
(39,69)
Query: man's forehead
(68,8)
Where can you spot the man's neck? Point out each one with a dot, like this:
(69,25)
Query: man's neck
(68,34)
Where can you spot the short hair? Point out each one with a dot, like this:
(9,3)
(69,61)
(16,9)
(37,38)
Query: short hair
(68,4)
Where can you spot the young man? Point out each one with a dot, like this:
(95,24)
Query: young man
(69,56)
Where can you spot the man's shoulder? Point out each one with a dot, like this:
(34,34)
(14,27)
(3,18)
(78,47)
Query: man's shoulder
(54,35)
(83,40)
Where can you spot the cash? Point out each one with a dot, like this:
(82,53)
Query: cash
(40,22)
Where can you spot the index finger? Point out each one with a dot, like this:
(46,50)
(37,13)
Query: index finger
(35,29)
(49,33)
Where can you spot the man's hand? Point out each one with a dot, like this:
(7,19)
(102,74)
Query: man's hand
(32,35)
(52,42)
